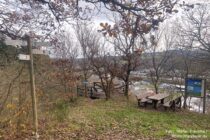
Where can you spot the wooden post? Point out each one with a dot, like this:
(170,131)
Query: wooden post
(185,94)
(77,90)
(85,94)
(91,91)
(33,91)
(204,98)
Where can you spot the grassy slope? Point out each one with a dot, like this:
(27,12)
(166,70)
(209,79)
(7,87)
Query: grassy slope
(117,119)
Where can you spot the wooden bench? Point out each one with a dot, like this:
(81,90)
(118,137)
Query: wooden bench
(143,98)
(172,100)
(158,98)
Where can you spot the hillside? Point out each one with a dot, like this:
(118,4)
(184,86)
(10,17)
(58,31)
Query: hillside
(114,119)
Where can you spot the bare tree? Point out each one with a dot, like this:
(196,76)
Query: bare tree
(96,59)
(196,27)
(184,44)
(160,54)
(128,54)
(31,13)
(103,66)
(193,38)
(18,18)
(85,36)
(66,57)
(128,46)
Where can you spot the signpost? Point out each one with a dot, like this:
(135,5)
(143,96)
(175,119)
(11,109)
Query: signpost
(24,57)
(29,57)
(196,87)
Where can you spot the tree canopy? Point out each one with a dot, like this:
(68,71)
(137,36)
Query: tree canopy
(41,17)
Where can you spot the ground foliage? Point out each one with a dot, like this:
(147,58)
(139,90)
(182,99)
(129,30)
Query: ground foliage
(117,118)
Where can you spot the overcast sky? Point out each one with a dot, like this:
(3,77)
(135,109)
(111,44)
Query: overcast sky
(102,15)
(105,15)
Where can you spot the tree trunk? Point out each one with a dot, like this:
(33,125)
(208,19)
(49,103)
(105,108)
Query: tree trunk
(108,90)
(185,91)
(86,90)
(107,95)
(126,88)
(156,88)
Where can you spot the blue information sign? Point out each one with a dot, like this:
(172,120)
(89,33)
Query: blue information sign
(85,82)
(195,87)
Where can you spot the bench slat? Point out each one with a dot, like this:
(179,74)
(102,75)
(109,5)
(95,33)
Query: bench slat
(171,98)
(167,104)
(145,95)
(144,100)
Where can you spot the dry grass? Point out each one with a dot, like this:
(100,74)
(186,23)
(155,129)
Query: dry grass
(116,119)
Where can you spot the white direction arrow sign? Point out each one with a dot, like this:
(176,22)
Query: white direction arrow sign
(24,57)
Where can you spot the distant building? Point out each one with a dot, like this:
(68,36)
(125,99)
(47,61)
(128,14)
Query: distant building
(38,47)
(12,42)
(38,51)
(41,48)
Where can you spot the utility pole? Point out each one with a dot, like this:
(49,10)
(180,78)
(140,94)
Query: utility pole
(33,91)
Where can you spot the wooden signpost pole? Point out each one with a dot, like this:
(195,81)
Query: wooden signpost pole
(185,94)
(204,98)
(33,91)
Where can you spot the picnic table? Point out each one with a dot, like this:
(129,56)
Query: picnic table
(143,98)
(173,100)
(158,97)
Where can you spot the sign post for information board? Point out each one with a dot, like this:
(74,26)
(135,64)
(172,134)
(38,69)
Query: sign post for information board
(196,87)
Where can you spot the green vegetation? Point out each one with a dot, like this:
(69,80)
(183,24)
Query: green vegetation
(119,119)
(64,116)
